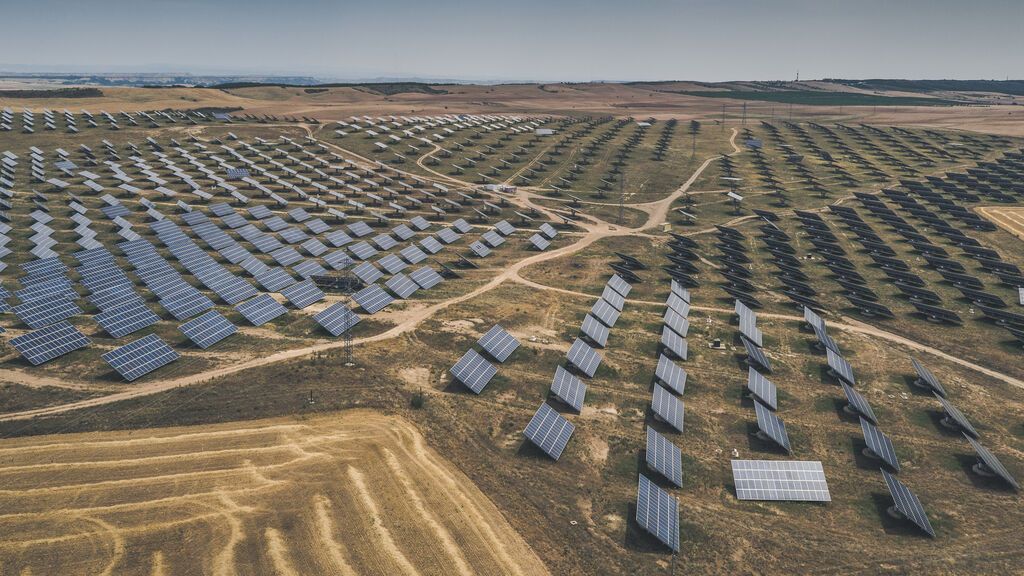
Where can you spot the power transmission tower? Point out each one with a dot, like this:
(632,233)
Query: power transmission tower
(622,196)
(349,285)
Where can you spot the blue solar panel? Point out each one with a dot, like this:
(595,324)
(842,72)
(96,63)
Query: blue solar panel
(140,357)
(208,329)
(50,342)
(126,319)
(261,309)
(303,294)
(337,319)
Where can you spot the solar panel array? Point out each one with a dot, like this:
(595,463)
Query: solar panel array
(780,480)
(50,342)
(140,357)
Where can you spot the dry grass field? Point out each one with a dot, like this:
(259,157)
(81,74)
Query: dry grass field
(349,493)
(1010,219)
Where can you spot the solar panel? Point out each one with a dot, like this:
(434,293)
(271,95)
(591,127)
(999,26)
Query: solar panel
(126,319)
(462,226)
(679,324)
(431,245)
(286,256)
(614,298)
(792,480)
(547,230)
(498,343)
(412,254)
(402,286)
(771,426)
(658,513)
(50,342)
(338,238)
(670,374)
(549,431)
(762,388)
(664,457)
(140,357)
(261,309)
(605,312)
(367,272)
(674,343)
(988,464)
(474,371)
(539,242)
(907,504)
(447,235)
(363,250)
(339,260)
(420,223)
(955,418)
(879,444)
(303,294)
(858,403)
(372,299)
(492,238)
(274,279)
(41,313)
(568,388)
(337,319)
(206,330)
(393,264)
(426,277)
(678,305)
(384,241)
(360,229)
(667,407)
(926,379)
(619,285)
(840,368)
(583,357)
(595,331)
(478,248)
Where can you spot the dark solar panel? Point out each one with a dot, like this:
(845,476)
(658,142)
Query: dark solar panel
(41,313)
(858,403)
(956,418)
(879,444)
(674,343)
(989,464)
(926,379)
(840,368)
(771,426)
(670,374)
(658,513)
(907,503)
(762,388)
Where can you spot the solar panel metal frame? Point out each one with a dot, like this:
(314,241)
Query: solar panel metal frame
(568,388)
(473,371)
(780,480)
(549,431)
(664,457)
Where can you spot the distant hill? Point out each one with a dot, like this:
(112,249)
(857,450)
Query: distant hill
(383,88)
(1014,87)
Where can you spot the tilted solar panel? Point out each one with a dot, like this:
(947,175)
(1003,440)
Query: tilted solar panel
(140,357)
(549,431)
(206,330)
(664,457)
(907,503)
(337,319)
(771,426)
(372,299)
(879,444)
(261,309)
(658,513)
(498,343)
(568,388)
(780,480)
(583,357)
(474,371)
(50,342)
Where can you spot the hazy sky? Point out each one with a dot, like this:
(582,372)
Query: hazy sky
(522,39)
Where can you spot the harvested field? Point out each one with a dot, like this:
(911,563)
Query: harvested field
(356,493)
(1010,219)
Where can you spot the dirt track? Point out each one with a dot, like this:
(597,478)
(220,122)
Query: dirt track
(285,496)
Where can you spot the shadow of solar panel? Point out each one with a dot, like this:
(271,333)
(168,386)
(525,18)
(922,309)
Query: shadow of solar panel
(839,368)
(584,358)
(50,342)
(206,330)
(479,249)
(473,371)
(498,343)
(138,358)
(372,299)
(988,464)
(41,313)
(792,480)
(431,245)
(907,504)
(678,323)
(539,242)
(595,331)
(412,254)
(393,264)
(879,444)
(667,408)
(367,272)
(658,513)
(123,320)
(619,285)
(771,426)
(303,294)
(337,319)
(762,388)
(274,279)
(402,286)
(858,403)
(664,457)
(549,431)
(604,312)
(261,309)
(568,388)
(955,418)
(363,250)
